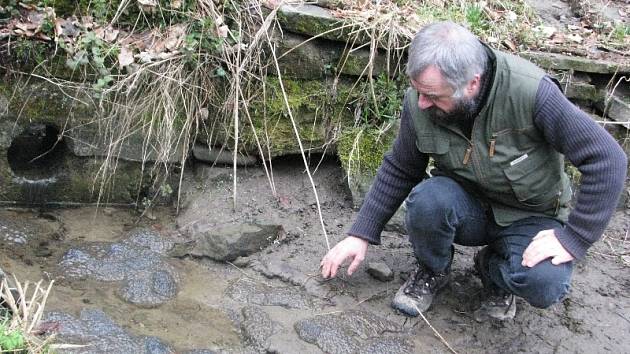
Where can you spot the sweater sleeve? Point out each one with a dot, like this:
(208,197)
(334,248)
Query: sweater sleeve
(595,154)
(402,168)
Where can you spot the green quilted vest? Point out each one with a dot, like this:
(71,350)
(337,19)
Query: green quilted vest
(507,161)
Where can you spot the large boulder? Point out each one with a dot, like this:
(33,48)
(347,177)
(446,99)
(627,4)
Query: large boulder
(226,243)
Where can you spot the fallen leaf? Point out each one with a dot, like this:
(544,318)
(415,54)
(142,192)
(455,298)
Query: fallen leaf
(125,57)
(26,26)
(168,55)
(87,22)
(42,36)
(508,43)
(144,57)
(511,16)
(175,37)
(222,31)
(547,31)
(176,4)
(271,4)
(575,38)
(492,39)
(111,34)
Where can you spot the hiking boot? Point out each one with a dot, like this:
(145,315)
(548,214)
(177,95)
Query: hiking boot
(498,304)
(416,295)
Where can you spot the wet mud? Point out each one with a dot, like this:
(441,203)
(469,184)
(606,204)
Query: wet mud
(121,288)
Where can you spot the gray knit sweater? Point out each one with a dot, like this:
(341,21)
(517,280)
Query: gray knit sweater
(569,130)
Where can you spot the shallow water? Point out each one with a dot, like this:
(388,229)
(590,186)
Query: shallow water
(193,319)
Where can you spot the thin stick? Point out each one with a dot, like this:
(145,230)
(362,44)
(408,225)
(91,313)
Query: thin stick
(435,331)
(297,136)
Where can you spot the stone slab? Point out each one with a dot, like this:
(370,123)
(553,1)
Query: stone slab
(556,61)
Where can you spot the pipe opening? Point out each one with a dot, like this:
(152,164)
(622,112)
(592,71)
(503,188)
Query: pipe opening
(37,153)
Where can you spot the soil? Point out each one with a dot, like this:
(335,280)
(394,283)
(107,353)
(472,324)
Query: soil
(266,302)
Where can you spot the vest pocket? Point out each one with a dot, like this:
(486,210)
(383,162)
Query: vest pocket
(438,148)
(535,182)
(432,144)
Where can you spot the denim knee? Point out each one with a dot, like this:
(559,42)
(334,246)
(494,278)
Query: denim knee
(542,285)
(430,203)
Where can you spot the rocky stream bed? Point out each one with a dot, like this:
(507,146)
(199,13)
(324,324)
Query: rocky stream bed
(131,284)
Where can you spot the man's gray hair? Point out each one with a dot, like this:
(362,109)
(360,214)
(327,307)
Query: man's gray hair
(451,48)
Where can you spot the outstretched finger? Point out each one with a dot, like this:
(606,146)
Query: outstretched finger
(354,265)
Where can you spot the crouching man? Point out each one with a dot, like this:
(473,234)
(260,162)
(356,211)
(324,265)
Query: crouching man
(498,130)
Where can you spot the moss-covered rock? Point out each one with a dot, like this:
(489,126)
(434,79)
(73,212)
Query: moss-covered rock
(553,61)
(320,109)
(309,58)
(361,151)
(314,21)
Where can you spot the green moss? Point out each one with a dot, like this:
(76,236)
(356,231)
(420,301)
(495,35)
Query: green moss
(39,101)
(315,111)
(361,150)
(573,173)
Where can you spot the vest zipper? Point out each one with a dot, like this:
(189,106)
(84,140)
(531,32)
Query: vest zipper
(467,155)
(493,142)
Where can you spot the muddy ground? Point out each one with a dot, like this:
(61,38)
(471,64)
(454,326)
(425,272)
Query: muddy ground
(275,301)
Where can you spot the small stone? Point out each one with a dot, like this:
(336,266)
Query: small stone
(108,211)
(241,262)
(380,271)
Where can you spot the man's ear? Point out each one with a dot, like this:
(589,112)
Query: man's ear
(473,86)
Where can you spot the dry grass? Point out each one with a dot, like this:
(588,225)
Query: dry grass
(26,302)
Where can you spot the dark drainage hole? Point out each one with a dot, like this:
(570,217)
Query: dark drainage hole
(37,153)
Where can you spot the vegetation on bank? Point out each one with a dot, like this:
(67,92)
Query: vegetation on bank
(184,70)
(21,310)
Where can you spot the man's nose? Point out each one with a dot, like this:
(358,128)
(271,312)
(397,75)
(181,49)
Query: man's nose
(424,102)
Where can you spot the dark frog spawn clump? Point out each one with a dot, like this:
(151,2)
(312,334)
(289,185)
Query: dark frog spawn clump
(11,233)
(94,332)
(137,262)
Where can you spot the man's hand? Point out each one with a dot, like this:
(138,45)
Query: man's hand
(350,248)
(545,245)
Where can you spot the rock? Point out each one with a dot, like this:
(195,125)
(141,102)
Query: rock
(241,262)
(616,109)
(318,57)
(312,21)
(222,157)
(564,62)
(226,243)
(87,141)
(352,332)
(583,91)
(380,271)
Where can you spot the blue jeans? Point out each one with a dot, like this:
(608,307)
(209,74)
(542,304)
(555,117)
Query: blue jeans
(440,212)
